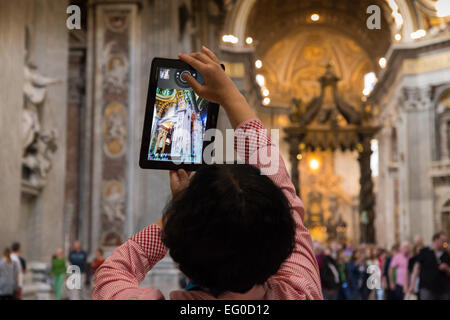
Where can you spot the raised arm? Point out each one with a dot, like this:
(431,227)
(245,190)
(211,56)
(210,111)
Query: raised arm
(119,276)
(299,274)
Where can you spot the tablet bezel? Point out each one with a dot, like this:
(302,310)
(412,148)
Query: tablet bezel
(211,122)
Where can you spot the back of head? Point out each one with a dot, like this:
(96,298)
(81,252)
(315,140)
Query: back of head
(15,247)
(230,229)
(7,255)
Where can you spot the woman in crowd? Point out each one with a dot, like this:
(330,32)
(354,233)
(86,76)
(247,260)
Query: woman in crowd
(344,292)
(355,269)
(381,259)
(99,259)
(9,273)
(58,272)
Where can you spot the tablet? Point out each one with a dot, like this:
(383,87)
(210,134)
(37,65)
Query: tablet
(176,119)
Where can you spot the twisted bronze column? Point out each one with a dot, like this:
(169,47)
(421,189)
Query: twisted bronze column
(366,194)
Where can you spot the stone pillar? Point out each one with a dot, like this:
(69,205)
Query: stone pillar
(159,37)
(12,39)
(123,38)
(112,97)
(385,205)
(416,146)
(37,285)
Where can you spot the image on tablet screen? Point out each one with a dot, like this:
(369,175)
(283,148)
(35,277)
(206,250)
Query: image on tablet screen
(179,119)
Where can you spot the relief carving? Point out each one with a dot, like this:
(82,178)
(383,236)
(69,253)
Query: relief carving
(115,130)
(38,144)
(113,203)
(115,69)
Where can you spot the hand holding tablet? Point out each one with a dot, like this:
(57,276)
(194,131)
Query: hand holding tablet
(218,87)
(176,116)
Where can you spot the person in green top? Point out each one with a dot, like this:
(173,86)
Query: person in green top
(58,272)
(344,292)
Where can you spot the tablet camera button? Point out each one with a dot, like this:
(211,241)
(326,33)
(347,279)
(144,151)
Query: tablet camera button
(181,76)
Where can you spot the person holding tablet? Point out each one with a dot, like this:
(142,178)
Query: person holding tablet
(234,232)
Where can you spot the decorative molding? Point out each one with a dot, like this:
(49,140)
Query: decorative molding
(415,98)
(396,55)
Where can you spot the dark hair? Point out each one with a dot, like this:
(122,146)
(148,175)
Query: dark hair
(380,252)
(438,235)
(15,247)
(416,249)
(338,255)
(100,250)
(230,229)
(354,253)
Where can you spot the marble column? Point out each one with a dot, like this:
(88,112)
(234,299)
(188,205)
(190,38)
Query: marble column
(416,143)
(12,38)
(112,51)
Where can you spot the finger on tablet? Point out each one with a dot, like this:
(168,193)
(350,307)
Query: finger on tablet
(194,84)
(210,54)
(193,62)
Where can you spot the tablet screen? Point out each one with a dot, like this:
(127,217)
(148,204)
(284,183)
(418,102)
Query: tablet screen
(179,119)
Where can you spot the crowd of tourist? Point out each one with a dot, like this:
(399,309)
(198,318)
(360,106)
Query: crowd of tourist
(408,271)
(13,267)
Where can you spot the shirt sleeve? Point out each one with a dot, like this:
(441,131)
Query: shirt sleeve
(394,262)
(298,277)
(119,276)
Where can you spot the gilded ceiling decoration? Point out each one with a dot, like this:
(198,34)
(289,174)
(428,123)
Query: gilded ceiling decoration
(273,20)
(293,65)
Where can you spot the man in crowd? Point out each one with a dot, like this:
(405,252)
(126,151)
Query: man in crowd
(15,257)
(399,263)
(78,257)
(433,265)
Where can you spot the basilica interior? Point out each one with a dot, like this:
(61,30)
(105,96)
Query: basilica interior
(359,91)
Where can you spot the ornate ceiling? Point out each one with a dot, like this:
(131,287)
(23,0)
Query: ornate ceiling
(270,21)
(293,65)
(295,50)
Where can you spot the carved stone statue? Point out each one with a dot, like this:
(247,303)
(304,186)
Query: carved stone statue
(38,161)
(116,127)
(113,204)
(37,145)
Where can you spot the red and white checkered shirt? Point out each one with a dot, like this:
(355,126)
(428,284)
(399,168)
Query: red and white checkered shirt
(297,279)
